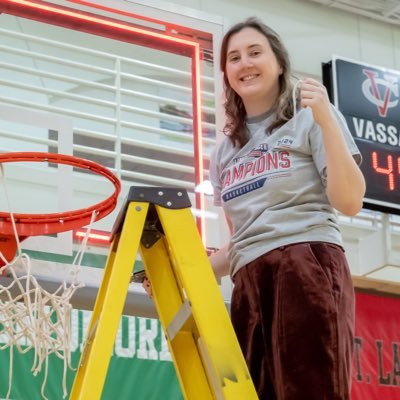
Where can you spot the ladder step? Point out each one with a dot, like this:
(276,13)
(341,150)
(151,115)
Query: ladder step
(183,320)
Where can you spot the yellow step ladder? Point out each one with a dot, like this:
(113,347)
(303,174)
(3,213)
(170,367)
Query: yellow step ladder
(207,357)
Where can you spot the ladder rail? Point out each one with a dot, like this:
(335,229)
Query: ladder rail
(107,312)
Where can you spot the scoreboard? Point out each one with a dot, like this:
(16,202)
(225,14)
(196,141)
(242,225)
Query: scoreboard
(368,97)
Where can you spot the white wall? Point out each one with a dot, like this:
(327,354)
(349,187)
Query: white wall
(312,32)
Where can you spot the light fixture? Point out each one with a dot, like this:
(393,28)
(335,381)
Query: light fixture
(95,236)
(205,187)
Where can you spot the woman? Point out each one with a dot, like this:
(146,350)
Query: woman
(279,174)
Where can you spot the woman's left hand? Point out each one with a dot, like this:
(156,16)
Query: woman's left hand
(314,95)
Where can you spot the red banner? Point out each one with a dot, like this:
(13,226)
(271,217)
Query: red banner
(376,369)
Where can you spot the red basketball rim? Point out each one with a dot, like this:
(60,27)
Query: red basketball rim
(42,224)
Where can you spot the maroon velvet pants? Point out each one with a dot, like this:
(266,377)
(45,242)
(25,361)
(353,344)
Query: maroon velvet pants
(293,313)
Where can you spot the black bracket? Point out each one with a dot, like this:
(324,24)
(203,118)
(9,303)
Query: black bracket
(173,198)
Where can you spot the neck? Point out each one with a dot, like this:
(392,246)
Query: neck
(257,109)
(257,106)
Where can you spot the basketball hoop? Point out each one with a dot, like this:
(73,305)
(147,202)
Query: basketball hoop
(44,224)
(43,318)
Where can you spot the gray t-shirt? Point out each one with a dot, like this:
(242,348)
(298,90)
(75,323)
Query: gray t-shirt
(274,188)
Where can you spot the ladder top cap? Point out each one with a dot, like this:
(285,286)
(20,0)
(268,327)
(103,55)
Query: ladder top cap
(174,198)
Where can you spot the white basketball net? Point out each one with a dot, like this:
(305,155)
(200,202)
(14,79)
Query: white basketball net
(32,318)
(35,319)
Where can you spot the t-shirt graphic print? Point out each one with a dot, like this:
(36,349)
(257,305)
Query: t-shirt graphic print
(250,171)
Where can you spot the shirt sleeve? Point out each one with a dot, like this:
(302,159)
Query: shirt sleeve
(317,146)
(215,177)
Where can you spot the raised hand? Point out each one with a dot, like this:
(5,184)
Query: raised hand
(314,95)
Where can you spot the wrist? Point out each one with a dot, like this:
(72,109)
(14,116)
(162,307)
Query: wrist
(329,122)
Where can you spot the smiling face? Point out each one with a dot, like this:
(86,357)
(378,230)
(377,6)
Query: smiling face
(252,70)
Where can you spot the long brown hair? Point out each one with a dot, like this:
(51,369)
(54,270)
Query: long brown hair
(235,126)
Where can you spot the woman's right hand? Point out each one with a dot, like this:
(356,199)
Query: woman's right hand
(146,285)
